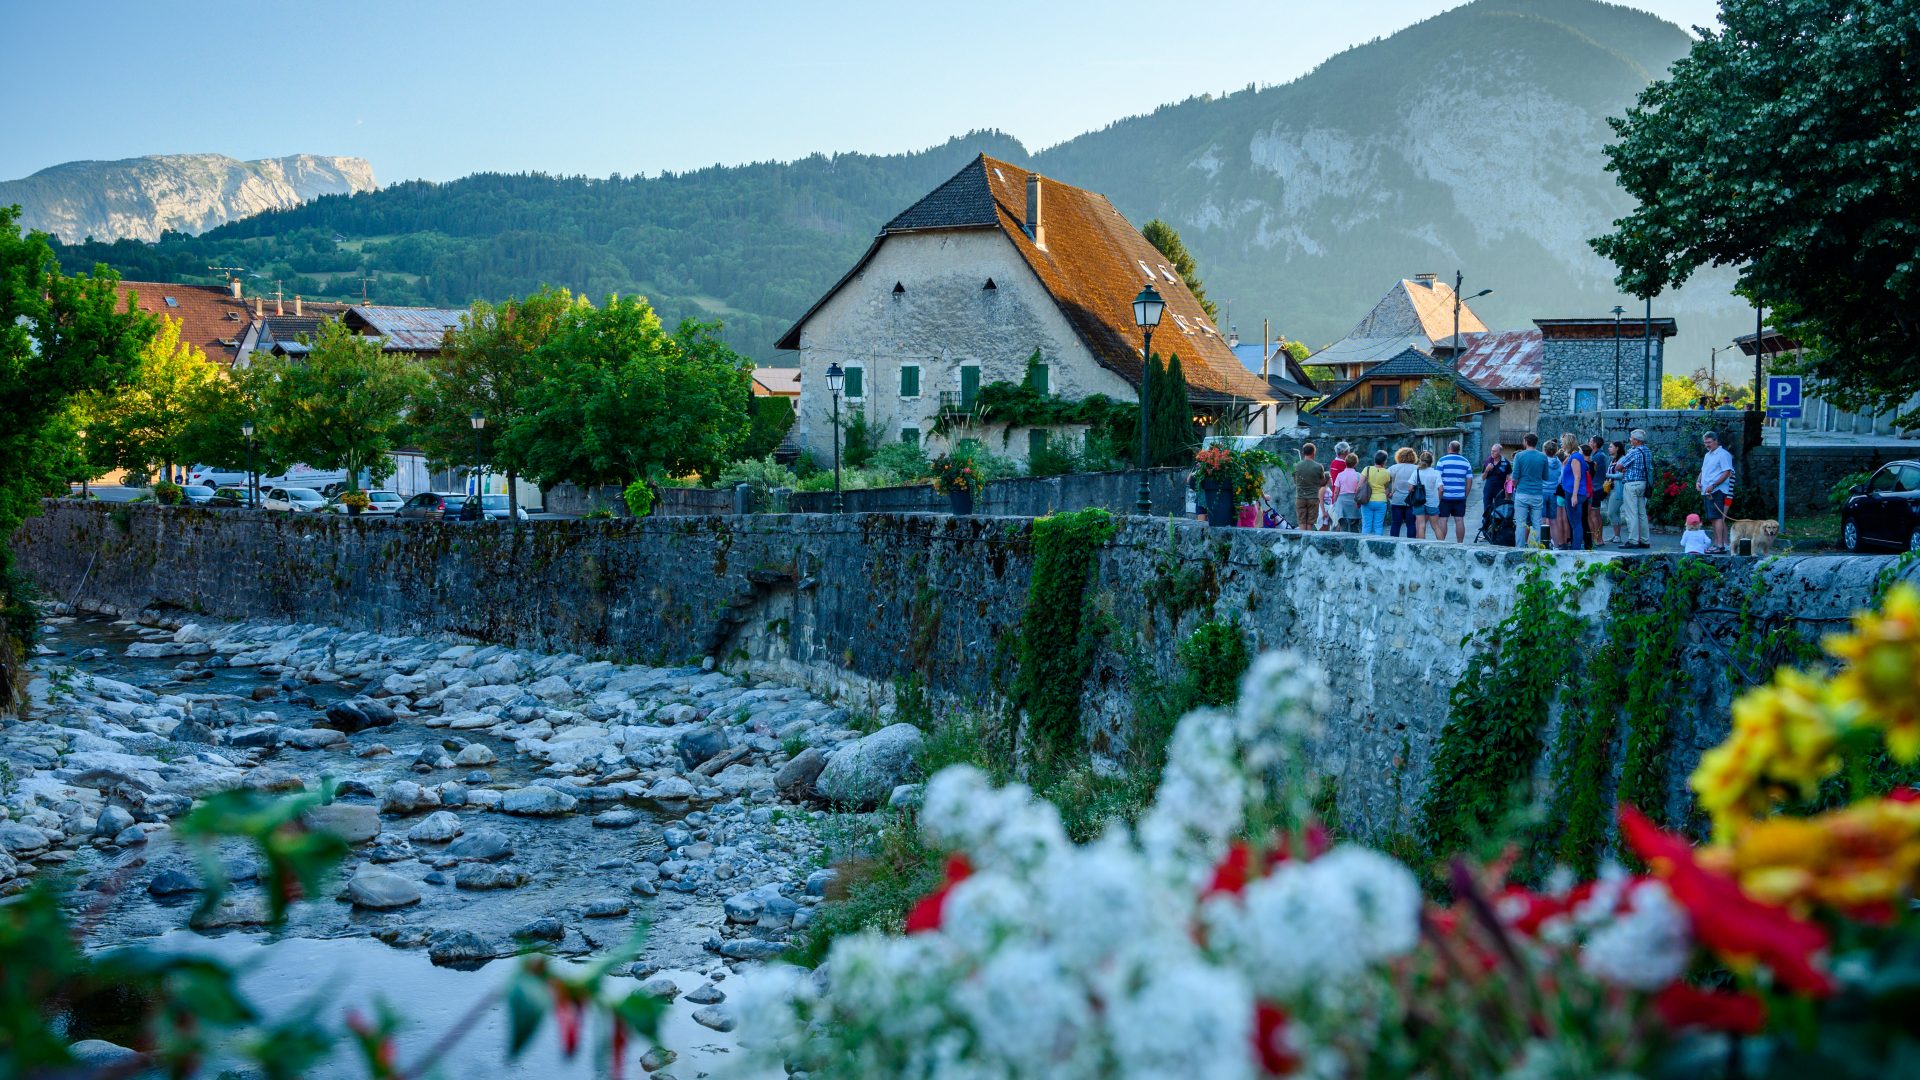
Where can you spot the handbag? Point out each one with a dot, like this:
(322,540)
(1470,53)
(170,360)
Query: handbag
(1365,495)
(1417,494)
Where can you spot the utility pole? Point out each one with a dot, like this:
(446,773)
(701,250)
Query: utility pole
(1759,350)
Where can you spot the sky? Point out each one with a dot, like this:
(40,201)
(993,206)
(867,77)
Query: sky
(436,90)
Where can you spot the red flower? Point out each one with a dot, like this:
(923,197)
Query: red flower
(1736,1011)
(1903,794)
(1233,871)
(1673,491)
(1270,1040)
(1725,919)
(928,913)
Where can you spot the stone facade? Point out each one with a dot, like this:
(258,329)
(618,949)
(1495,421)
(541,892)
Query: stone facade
(851,603)
(1572,368)
(944,319)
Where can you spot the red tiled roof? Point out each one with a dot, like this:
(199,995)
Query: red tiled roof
(776,382)
(209,316)
(1093,264)
(1505,360)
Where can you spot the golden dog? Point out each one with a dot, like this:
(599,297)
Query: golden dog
(1762,531)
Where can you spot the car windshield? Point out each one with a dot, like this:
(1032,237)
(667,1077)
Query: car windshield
(384,498)
(494,502)
(304,495)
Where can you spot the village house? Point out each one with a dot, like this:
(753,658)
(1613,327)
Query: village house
(1587,365)
(1507,363)
(218,319)
(1292,389)
(1379,392)
(1417,313)
(996,266)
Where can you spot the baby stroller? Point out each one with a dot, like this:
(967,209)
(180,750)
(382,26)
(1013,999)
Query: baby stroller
(1497,527)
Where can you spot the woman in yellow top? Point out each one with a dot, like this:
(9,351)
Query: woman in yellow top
(1377,482)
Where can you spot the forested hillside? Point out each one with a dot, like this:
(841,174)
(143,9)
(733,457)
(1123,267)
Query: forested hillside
(1470,140)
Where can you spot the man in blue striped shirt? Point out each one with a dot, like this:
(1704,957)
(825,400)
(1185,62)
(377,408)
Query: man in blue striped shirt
(1456,481)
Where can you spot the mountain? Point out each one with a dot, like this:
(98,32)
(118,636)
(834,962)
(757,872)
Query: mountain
(141,198)
(1470,140)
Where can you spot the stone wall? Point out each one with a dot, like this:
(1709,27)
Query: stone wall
(850,604)
(1568,363)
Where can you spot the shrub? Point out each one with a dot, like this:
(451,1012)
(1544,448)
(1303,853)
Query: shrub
(1842,489)
(1435,404)
(762,474)
(859,439)
(640,498)
(908,461)
(167,493)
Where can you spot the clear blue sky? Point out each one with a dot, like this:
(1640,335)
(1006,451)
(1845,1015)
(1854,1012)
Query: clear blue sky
(435,89)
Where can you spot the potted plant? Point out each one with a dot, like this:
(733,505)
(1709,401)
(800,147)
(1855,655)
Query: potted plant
(1218,473)
(356,502)
(168,493)
(957,479)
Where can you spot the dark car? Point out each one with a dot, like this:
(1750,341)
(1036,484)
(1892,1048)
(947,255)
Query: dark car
(1884,511)
(440,506)
(196,494)
(227,498)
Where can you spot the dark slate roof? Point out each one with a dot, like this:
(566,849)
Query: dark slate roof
(1288,388)
(965,201)
(1414,364)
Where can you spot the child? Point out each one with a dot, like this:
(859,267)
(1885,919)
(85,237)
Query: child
(1695,540)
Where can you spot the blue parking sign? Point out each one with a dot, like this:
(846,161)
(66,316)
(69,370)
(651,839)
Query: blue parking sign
(1783,396)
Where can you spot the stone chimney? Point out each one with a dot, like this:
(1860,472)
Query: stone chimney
(233,283)
(279,303)
(297,306)
(1427,279)
(1036,228)
(259,307)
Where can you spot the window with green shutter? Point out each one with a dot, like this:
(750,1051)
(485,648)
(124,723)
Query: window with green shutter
(969,385)
(1036,441)
(910,381)
(856,383)
(1037,378)
(910,436)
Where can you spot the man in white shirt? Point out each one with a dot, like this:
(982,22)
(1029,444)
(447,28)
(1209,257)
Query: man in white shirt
(1716,488)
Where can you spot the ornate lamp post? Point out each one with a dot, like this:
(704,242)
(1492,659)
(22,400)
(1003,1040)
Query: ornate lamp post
(836,378)
(479,422)
(1147,308)
(253,478)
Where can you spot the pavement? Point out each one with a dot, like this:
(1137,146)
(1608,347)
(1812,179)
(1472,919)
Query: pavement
(1662,541)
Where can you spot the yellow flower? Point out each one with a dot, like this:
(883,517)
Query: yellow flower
(1862,859)
(1880,685)
(1782,736)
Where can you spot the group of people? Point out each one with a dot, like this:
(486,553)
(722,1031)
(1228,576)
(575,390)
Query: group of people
(1564,495)
(1414,494)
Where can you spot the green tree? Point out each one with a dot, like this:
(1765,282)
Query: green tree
(1435,403)
(1167,242)
(339,407)
(61,338)
(142,425)
(1785,142)
(1170,438)
(490,365)
(620,399)
(768,422)
(217,412)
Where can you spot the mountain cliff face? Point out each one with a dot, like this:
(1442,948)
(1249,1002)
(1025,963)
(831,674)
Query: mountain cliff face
(140,198)
(1472,140)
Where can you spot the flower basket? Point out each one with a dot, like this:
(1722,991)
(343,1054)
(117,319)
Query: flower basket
(960,502)
(167,493)
(957,479)
(356,502)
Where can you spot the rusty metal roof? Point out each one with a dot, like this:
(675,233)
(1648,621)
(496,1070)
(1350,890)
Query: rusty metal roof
(407,329)
(1505,359)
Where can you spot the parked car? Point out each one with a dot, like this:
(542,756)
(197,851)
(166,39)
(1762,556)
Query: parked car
(305,477)
(227,498)
(196,494)
(216,476)
(1884,511)
(440,506)
(293,500)
(495,507)
(380,502)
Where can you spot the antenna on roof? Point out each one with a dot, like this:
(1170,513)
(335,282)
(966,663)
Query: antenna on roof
(363,290)
(233,277)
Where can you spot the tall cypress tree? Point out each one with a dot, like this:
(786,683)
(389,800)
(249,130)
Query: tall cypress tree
(1170,435)
(1155,376)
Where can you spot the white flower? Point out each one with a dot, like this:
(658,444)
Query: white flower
(1311,926)
(1030,1014)
(1647,946)
(1201,803)
(1187,1020)
(986,910)
(1282,698)
(1005,827)
(1385,896)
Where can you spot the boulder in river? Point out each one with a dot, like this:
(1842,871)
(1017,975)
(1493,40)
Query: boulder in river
(359,714)
(356,823)
(436,828)
(536,802)
(796,777)
(486,845)
(697,747)
(864,773)
(479,875)
(381,890)
(407,797)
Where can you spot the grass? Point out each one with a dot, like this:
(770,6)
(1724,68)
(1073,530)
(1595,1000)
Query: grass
(1810,532)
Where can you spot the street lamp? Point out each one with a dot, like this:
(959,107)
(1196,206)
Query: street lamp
(253,478)
(479,422)
(1459,280)
(1147,308)
(1617,312)
(836,378)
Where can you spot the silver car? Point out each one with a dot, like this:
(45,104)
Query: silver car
(293,500)
(495,507)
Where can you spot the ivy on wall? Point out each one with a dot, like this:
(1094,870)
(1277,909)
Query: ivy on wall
(1499,710)
(1057,633)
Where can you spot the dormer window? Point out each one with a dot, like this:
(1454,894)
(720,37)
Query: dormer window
(990,286)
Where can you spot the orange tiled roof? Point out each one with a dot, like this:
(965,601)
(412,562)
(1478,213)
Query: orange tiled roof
(1093,263)
(209,316)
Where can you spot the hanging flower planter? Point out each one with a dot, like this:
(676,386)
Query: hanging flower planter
(954,477)
(960,502)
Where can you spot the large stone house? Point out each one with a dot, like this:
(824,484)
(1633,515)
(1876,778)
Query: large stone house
(995,266)
(1587,365)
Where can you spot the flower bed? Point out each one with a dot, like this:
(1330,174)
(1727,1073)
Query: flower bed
(1225,936)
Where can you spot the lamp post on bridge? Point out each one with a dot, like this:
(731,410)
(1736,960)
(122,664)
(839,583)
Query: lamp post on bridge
(1147,309)
(836,378)
(1617,312)
(253,478)
(479,422)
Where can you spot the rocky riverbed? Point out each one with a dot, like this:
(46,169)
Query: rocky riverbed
(491,795)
